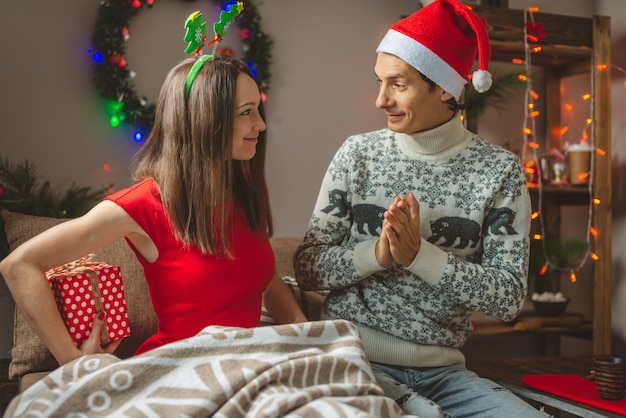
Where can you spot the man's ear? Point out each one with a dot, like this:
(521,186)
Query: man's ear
(445,96)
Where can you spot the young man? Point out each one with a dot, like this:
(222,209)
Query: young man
(418,225)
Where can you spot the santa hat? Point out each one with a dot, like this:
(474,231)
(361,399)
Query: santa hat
(441,41)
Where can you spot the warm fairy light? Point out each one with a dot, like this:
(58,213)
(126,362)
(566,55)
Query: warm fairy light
(556,131)
(533,33)
(600,152)
(584,137)
(106,167)
(522,77)
(582,177)
(462,116)
(532,174)
(594,256)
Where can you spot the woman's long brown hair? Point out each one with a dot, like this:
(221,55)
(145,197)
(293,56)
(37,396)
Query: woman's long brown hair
(189,155)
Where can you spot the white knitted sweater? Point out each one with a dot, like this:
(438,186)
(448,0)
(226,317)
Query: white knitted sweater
(475,223)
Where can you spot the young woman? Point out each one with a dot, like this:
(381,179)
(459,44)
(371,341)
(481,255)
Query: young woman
(198,218)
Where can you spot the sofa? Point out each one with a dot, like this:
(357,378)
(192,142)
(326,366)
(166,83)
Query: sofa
(30,359)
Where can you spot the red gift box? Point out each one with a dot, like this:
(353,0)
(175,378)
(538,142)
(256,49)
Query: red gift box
(84,288)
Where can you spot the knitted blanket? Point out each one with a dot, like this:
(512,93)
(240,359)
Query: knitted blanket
(314,369)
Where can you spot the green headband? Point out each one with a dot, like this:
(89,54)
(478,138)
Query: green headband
(194,72)
(195,35)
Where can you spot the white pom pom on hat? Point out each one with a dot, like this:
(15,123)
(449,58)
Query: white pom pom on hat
(481,80)
(441,40)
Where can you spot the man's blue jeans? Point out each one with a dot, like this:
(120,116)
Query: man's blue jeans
(451,392)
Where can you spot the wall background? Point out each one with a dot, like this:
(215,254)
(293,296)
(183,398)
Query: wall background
(322,90)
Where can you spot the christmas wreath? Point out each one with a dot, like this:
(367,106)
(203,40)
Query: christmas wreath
(113,79)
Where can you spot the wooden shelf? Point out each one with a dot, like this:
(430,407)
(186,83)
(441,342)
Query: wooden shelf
(566,190)
(557,55)
(530,334)
(584,330)
(562,195)
(573,45)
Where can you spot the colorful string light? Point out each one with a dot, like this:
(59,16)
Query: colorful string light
(114,80)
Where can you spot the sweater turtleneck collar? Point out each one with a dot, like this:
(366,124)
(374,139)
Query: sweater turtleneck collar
(440,143)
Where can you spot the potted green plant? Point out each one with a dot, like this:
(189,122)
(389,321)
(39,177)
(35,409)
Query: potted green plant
(545,268)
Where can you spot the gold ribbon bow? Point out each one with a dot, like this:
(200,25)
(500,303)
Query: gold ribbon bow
(76,266)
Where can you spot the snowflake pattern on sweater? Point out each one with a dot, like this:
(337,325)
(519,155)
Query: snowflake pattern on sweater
(475,223)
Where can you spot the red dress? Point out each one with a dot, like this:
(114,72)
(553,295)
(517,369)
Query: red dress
(190,291)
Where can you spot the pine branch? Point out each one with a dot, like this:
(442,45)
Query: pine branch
(496,97)
(25,191)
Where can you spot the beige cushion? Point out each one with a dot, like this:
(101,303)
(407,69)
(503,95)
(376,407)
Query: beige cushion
(311,302)
(284,248)
(29,354)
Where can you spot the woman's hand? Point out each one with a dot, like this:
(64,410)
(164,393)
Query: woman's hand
(93,344)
